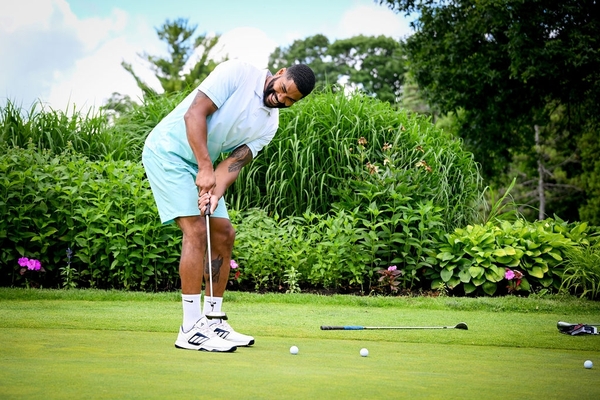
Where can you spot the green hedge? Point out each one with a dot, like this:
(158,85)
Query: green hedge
(103,211)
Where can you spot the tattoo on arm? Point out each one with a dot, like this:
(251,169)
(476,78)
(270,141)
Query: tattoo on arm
(242,156)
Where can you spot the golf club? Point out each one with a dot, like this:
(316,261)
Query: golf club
(460,325)
(213,314)
(565,326)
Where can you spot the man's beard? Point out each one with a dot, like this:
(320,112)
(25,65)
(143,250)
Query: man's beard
(270,90)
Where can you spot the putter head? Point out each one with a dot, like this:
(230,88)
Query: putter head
(564,326)
(462,325)
(216,315)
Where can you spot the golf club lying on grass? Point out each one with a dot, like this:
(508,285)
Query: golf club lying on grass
(566,326)
(460,325)
(213,314)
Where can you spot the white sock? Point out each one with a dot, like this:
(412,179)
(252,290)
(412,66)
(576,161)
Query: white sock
(208,305)
(191,310)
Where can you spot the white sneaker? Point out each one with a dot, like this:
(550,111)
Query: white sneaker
(225,331)
(202,337)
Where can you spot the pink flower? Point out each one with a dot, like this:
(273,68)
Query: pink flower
(23,261)
(34,265)
(233,264)
(392,268)
(509,274)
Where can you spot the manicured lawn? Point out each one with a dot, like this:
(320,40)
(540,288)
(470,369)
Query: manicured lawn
(93,344)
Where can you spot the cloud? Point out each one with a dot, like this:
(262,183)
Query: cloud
(248,44)
(32,50)
(52,56)
(373,21)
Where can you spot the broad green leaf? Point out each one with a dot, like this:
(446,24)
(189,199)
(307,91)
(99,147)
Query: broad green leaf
(476,272)
(546,281)
(465,276)
(445,256)
(489,288)
(537,272)
(555,255)
(500,253)
(493,275)
(469,288)
(478,281)
(446,274)
(508,261)
(453,282)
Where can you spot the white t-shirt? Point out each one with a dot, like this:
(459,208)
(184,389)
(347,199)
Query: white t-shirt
(237,89)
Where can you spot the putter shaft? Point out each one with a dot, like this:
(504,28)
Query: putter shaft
(213,314)
(460,325)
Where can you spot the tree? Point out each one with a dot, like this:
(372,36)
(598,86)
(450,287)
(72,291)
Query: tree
(311,51)
(178,71)
(508,64)
(374,65)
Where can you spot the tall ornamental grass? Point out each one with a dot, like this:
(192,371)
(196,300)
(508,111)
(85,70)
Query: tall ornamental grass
(96,134)
(54,130)
(330,144)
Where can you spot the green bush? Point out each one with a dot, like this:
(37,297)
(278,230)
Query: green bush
(102,211)
(348,188)
(476,258)
(312,251)
(390,182)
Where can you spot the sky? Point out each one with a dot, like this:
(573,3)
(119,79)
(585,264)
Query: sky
(67,53)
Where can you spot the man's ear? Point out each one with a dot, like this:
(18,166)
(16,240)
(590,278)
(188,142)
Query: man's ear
(280,72)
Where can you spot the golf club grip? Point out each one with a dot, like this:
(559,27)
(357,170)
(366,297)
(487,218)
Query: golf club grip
(342,328)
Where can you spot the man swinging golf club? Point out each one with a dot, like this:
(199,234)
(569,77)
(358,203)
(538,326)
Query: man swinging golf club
(234,110)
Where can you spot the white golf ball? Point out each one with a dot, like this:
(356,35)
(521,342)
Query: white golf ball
(364,352)
(588,364)
(294,350)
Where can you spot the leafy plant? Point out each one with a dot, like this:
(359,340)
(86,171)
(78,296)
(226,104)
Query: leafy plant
(388,279)
(103,211)
(68,273)
(477,257)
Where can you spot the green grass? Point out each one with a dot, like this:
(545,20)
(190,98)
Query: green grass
(96,344)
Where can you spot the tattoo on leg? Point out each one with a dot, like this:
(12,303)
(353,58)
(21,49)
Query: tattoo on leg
(216,268)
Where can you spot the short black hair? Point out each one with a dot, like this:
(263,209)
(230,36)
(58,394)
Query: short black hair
(303,76)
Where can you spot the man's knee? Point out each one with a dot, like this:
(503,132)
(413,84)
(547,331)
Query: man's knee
(223,232)
(193,229)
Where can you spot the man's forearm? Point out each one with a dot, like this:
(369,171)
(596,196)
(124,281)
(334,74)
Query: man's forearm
(229,169)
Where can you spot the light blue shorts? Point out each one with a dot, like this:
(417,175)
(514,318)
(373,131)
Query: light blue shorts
(174,187)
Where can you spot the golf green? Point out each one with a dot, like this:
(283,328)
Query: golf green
(61,349)
(49,363)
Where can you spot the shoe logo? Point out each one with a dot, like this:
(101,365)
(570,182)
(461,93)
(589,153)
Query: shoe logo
(198,339)
(188,301)
(221,333)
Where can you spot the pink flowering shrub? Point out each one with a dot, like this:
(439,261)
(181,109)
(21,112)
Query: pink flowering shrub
(30,266)
(514,279)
